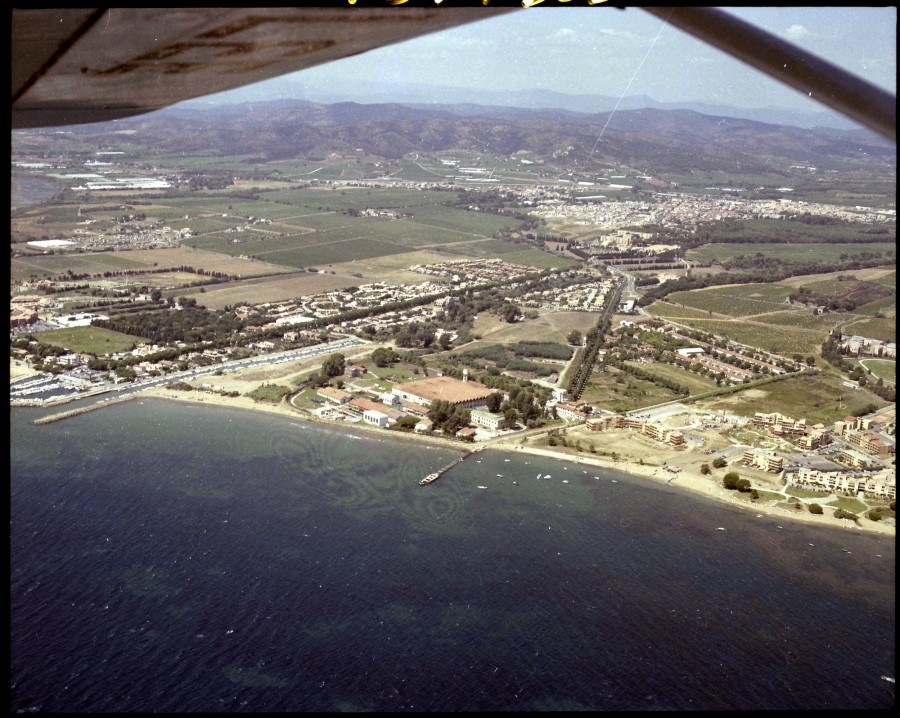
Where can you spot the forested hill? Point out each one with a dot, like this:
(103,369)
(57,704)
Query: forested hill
(652,139)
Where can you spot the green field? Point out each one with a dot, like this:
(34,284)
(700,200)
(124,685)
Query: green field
(882,368)
(739,300)
(90,340)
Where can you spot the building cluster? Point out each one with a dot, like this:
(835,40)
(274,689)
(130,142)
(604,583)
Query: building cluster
(414,399)
(880,484)
(24,309)
(467,272)
(863,346)
(861,433)
(657,432)
(681,208)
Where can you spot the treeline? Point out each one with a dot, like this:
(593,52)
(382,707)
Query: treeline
(192,324)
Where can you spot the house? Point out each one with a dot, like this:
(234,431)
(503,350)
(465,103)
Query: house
(425,424)
(334,395)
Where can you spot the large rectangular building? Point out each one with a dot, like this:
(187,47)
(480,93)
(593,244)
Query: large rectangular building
(467,394)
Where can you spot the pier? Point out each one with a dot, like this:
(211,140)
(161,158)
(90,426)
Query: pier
(437,474)
(82,410)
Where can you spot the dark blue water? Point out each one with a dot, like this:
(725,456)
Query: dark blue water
(173,558)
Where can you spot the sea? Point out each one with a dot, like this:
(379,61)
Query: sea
(167,557)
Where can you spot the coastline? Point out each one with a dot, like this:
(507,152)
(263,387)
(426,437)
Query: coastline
(686,479)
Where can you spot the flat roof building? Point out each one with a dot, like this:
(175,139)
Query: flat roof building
(444,388)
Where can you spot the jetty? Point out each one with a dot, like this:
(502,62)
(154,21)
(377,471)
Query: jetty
(440,472)
(81,410)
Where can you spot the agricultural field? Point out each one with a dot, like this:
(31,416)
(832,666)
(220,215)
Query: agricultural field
(90,340)
(887,307)
(817,398)
(476,224)
(485,248)
(539,259)
(270,289)
(736,300)
(694,382)
(869,274)
(55,265)
(664,309)
(810,252)
(874,328)
(784,340)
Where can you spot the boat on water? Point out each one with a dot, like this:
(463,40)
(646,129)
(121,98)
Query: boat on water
(888,679)
(482,487)
(720,528)
(428,479)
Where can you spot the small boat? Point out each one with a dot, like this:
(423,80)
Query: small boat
(614,481)
(720,528)
(565,481)
(539,476)
(888,679)
(428,479)
(482,487)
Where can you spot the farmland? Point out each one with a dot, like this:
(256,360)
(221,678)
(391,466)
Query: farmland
(820,252)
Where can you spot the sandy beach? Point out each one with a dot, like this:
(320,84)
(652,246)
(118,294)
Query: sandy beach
(636,456)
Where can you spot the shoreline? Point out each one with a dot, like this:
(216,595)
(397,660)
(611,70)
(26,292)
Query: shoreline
(685,480)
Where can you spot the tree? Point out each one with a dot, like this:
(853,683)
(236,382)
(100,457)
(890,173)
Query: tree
(510,313)
(730,480)
(384,356)
(719,462)
(494,401)
(574,337)
(815,509)
(333,365)
(704,469)
(743,485)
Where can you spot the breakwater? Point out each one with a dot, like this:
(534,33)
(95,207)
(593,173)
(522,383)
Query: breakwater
(81,410)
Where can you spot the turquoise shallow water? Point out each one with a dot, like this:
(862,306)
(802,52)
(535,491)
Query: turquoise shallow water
(174,558)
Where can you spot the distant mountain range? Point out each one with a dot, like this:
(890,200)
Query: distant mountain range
(534,99)
(655,140)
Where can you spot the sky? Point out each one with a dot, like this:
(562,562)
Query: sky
(601,50)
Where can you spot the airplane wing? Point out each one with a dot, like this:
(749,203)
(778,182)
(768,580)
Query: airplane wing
(79,65)
(89,65)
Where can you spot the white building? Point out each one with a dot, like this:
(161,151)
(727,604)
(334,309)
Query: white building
(375,418)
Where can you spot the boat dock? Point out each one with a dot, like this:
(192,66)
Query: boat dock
(82,410)
(437,474)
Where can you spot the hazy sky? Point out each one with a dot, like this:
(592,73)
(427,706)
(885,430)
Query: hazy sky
(605,51)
